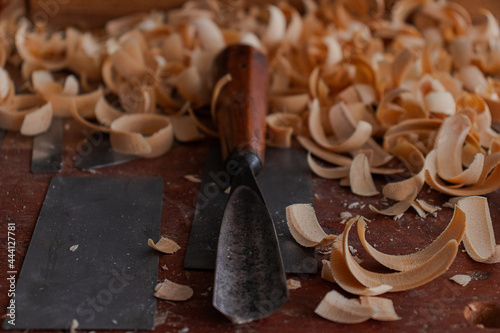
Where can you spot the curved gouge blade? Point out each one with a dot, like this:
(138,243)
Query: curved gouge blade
(250,281)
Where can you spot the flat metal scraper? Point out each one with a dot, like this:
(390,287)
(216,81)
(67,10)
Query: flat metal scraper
(88,259)
(98,153)
(47,149)
(285,180)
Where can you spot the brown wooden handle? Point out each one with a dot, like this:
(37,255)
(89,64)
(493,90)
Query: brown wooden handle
(242,103)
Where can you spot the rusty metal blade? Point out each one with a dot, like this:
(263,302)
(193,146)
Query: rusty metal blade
(250,281)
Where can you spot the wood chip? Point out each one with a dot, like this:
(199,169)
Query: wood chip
(172,291)
(293,284)
(165,245)
(339,309)
(461,279)
(193,178)
(384,308)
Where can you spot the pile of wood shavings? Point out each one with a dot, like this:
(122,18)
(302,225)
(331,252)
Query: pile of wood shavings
(470,224)
(355,86)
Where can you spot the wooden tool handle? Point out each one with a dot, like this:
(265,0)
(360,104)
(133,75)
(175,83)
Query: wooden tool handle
(242,103)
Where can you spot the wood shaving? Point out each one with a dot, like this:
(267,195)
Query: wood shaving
(423,273)
(454,231)
(360,178)
(326,271)
(384,308)
(479,238)
(461,279)
(146,135)
(172,291)
(305,227)
(193,178)
(165,245)
(337,308)
(427,206)
(186,129)
(74,326)
(293,284)
(345,215)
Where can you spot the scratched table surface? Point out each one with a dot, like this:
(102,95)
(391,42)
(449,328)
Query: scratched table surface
(436,306)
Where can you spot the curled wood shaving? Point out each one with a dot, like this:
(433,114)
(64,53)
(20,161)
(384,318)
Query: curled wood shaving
(61,97)
(172,291)
(146,135)
(293,102)
(326,271)
(403,205)
(38,121)
(328,173)
(384,308)
(165,245)
(304,226)
(449,146)
(346,279)
(106,113)
(281,127)
(186,129)
(454,231)
(427,206)
(360,178)
(325,155)
(489,179)
(337,308)
(75,112)
(423,273)
(479,238)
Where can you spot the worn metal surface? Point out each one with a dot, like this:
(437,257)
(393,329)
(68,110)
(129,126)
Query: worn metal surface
(47,149)
(250,281)
(88,258)
(284,180)
(99,154)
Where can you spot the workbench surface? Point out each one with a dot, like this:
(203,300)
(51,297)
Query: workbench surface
(436,306)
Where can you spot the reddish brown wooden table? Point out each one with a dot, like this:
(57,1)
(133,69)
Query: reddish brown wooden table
(437,306)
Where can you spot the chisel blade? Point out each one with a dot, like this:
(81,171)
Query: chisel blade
(285,180)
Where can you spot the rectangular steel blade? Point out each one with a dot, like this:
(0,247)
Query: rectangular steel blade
(88,258)
(98,153)
(47,149)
